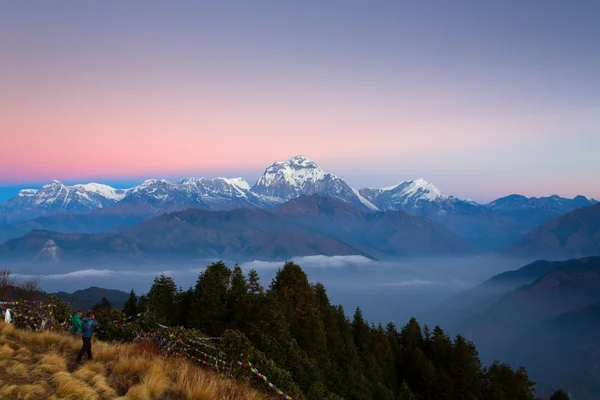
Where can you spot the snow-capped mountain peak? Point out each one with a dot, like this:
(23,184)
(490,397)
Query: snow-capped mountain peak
(296,172)
(102,190)
(237,182)
(406,195)
(57,197)
(286,180)
(218,186)
(419,188)
(282,181)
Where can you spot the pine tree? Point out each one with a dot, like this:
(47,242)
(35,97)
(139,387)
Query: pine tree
(500,382)
(131,308)
(302,342)
(103,312)
(410,339)
(161,298)
(238,299)
(363,339)
(464,368)
(297,298)
(209,304)
(181,306)
(143,304)
(560,395)
(423,377)
(254,286)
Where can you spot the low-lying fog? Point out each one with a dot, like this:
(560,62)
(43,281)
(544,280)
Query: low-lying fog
(385,290)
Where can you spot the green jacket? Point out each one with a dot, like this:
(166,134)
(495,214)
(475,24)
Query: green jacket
(75,324)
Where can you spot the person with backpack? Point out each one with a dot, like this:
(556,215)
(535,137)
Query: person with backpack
(88,325)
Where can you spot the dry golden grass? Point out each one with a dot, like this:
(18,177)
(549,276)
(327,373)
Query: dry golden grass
(69,387)
(17,369)
(23,354)
(52,362)
(40,366)
(6,352)
(28,391)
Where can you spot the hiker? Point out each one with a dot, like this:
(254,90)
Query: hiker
(88,325)
(76,323)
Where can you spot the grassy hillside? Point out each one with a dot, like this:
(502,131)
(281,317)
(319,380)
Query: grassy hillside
(42,366)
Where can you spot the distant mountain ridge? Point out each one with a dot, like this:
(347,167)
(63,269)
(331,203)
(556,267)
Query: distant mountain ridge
(306,226)
(575,234)
(95,208)
(545,319)
(85,299)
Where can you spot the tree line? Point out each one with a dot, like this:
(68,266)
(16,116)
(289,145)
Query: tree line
(310,348)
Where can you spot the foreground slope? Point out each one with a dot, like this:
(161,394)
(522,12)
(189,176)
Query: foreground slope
(41,366)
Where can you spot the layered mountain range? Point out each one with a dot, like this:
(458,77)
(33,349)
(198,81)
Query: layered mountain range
(544,316)
(95,208)
(305,226)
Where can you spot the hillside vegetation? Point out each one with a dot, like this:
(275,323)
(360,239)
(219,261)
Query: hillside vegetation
(291,333)
(41,366)
(311,350)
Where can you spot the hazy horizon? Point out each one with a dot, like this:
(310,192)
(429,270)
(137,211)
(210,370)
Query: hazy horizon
(414,285)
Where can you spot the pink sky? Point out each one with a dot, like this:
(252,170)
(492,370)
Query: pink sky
(164,96)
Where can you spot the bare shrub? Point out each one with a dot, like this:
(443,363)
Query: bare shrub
(7,282)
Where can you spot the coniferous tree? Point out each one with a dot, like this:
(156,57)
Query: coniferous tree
(464,369)
(254,286)
(423,379)
(410,339)
(238,299)
(502,382)
(362,333)
(209,304)
(294,335)
(182,304)
(296,295)
(560,395)
(161,299)
(131,308)
(384,357)
(103,312)
(143,304)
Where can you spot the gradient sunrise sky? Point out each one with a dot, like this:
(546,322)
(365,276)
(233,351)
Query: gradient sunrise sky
(481,98)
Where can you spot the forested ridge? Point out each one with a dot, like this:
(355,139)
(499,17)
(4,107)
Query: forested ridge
(312,350)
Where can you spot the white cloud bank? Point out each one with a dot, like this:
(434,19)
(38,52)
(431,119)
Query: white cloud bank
(313,262)
(92,273)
